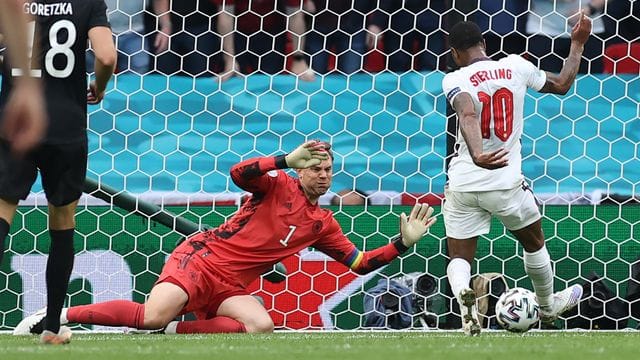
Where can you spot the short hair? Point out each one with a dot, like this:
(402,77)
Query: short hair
(465,35)
(327,148)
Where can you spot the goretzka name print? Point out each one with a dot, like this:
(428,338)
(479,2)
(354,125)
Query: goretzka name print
(48,9)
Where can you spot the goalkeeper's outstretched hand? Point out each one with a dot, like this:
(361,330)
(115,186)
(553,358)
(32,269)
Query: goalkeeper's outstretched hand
(416,225)
(308,154)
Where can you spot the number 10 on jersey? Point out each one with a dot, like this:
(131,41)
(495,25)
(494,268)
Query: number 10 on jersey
(498,107)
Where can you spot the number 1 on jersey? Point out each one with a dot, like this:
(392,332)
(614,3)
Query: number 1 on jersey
(285,241)
(498,107)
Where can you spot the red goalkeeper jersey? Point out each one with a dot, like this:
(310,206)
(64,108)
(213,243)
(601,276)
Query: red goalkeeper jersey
(276,222)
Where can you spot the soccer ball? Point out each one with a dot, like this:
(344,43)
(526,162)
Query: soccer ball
(517,310)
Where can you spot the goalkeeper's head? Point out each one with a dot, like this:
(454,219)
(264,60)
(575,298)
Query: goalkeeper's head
(316,180)
(466,42)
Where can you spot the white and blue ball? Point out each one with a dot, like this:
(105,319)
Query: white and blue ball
(517,310)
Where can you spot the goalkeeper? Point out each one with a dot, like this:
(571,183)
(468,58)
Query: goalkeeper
(208,273)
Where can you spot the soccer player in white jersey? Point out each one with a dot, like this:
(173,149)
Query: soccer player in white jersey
(485,177)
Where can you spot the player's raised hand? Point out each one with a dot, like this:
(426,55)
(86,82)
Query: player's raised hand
(416,225)
(307,155)
(492,160)
(94,96)
(581,30)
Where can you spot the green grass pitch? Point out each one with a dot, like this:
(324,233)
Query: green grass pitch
(332,345)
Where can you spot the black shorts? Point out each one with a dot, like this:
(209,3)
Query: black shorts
(63,168)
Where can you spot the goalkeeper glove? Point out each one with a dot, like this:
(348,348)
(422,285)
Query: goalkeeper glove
(413,228)
(307,155)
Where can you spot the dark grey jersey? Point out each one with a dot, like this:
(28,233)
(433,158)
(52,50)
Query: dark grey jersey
(60,31)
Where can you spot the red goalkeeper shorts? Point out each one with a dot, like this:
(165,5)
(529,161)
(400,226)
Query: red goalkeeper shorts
(205,288)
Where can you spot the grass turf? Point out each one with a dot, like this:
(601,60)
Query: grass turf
(332,345)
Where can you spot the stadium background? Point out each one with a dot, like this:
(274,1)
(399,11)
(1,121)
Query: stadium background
(171,140)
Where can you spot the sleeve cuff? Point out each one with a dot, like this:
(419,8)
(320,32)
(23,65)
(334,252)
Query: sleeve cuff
(397,243)
(280,161)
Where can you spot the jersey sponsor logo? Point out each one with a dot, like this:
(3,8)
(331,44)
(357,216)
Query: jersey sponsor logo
(317,227)
(194,276)
(48,9)
(273,173)
(484,75)
(453,93)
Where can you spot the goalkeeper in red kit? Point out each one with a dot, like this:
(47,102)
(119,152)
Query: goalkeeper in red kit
(208,273)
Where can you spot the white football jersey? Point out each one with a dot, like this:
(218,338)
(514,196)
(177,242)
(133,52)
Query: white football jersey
(498,89)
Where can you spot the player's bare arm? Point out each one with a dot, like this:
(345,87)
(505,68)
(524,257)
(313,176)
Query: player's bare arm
(161,9)
(12,18)
(225,29)
(24,120)
(24,116)
(470,129)
(297,27)
(562,82)
(105,62)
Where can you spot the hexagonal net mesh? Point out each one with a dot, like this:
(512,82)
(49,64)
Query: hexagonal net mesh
(365,76)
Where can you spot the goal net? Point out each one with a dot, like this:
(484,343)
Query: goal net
(169,135)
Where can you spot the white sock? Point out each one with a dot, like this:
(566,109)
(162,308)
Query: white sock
(459,274)
(538,267)
(63,316)
(171,328)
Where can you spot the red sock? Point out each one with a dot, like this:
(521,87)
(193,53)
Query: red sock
(109,313)
(219,324)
